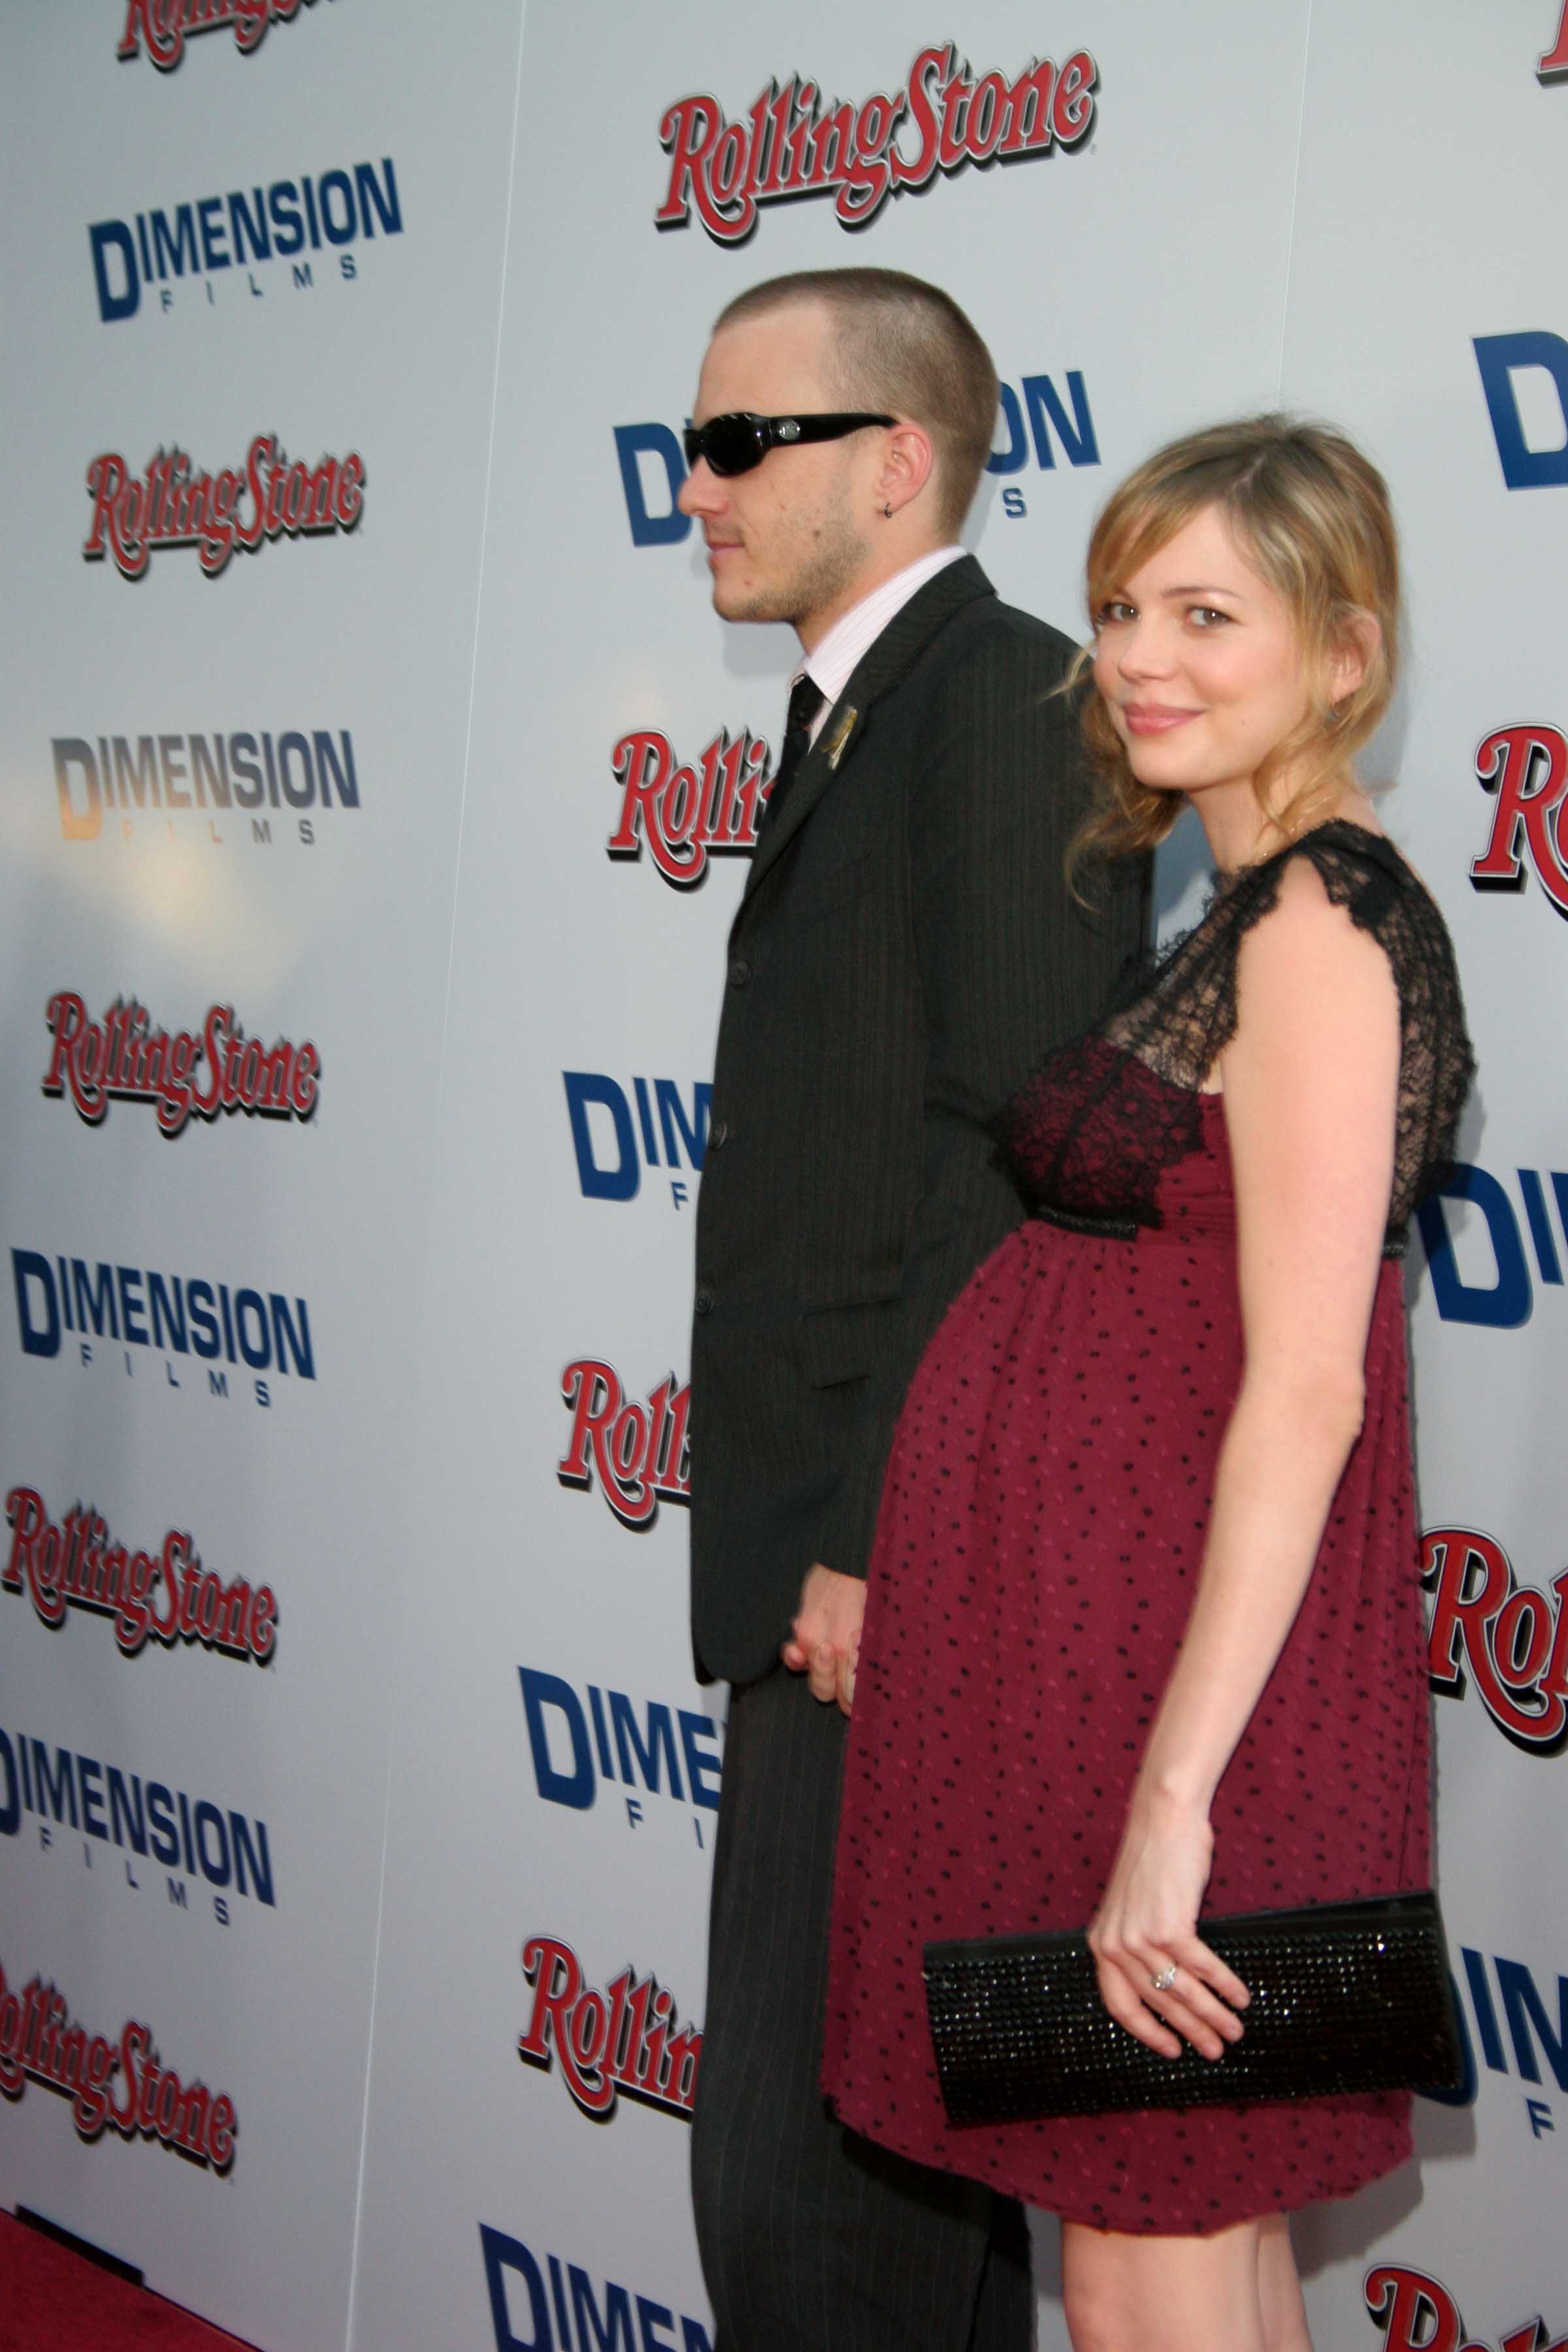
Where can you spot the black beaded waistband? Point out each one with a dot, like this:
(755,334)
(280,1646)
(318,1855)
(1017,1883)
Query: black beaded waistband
(1109,1229)
(1127,1229)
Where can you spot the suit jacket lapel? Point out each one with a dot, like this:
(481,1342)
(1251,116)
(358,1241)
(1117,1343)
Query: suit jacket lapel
(885,665)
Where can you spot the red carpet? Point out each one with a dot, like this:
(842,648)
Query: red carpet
(54,2300)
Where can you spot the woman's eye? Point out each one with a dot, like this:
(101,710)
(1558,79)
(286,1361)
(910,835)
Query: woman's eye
(1206,615)
(1115,609)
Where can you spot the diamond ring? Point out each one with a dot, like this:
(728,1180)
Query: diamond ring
(1166,1977)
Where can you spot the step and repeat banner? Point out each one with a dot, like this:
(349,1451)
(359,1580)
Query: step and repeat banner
(376,786)
(252,274)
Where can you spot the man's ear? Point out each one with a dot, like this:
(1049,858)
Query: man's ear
(908,460)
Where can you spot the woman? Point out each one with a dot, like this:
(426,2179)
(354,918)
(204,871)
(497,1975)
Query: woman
(1143,1635)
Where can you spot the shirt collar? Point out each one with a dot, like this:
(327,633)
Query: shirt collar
(835,660)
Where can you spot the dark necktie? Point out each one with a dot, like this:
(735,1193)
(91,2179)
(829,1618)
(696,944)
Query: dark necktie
(806,700)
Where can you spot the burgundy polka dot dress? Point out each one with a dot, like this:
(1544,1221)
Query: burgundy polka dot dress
(1041,1533)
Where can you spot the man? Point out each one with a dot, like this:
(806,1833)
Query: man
(906,951)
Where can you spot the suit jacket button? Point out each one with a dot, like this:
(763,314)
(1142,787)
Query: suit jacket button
(719,1136)
(740,972)
(703,1302)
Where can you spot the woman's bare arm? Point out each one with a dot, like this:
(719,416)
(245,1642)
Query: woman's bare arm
(1310,1087)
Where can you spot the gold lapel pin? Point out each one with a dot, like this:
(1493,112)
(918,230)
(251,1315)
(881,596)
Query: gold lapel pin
(840,737)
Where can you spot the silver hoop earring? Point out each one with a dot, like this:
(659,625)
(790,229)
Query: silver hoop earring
(888,512)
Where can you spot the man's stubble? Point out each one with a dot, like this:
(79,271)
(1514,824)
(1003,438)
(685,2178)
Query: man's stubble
(832,555)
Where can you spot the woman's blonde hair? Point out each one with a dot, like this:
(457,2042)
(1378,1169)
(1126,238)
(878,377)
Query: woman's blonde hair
(1312,517)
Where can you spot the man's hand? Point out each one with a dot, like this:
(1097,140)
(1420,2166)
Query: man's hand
(824,1637)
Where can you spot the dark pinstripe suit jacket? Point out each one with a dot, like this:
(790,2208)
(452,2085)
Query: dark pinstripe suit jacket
(905,953)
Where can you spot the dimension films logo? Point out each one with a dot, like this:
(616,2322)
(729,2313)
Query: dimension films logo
(171,507)
(1526,464)
(579,2325)
(217,1069)
(143,1818)
(39,2044)
(1533,2033)
(781,147)
(1046,415)
(640,1453)
(295,767)
(618,2042)
(593,1097)
(566,1775)
(1508,1300)
(688,814)
(1509,1639)
(166,1593)
(344,206)
(1417,2314)
(180,1314)
(1526,765)
(159,29)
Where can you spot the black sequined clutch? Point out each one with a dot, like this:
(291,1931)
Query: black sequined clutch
(1346,1997)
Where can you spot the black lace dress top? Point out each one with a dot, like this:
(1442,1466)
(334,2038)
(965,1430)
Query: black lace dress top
(1090,1136)
(1041,1534)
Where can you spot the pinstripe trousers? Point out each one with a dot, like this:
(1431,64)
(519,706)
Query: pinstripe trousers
(813,2240)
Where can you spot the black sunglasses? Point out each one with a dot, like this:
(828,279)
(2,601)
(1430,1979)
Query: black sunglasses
(734,444)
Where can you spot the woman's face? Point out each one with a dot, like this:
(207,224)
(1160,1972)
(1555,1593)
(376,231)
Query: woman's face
(1199,663)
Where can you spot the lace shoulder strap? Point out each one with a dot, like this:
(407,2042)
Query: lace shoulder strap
(1180,1015)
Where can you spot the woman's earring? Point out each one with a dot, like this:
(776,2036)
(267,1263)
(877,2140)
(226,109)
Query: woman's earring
(888,512)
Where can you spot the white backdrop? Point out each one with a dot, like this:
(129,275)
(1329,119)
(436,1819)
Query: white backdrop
(507,957)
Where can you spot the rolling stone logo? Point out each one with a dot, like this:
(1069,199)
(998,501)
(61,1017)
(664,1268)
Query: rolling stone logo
(1526,765)
(170,506)
(207,1071)
(165,1594)
(39,2044)
(784,147)
(640,1453)
(688,814)
(1509,1639)
(620,2042)
(1554,66)
(159,29)
(1417,2314)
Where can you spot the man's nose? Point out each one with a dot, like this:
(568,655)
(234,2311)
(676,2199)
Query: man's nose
(702,492)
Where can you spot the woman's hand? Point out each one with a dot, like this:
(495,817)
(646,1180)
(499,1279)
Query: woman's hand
(1146,1928)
